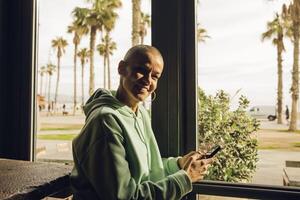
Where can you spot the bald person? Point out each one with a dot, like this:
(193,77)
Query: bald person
(116,155)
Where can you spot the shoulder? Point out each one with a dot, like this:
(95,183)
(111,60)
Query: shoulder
(102,114)
(102,124)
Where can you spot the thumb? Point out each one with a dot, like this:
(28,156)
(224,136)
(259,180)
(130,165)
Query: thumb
(188,163)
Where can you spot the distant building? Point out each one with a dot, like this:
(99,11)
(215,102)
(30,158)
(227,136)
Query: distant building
(41,102)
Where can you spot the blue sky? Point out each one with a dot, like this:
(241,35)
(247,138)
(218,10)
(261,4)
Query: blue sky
(233,58)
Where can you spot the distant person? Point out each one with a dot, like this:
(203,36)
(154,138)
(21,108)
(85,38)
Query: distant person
(287,114)
(49,110)
(64,112)
(116,155)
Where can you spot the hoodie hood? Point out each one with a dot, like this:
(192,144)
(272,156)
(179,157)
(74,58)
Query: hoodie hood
(102,97)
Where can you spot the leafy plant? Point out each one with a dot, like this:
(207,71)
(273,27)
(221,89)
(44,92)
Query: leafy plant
(233,130)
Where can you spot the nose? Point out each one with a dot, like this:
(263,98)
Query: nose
(147,78)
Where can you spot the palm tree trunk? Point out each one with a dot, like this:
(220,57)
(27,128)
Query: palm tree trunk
(57,80)
(46,86)
(279,83)
(104,72)
(75,78)
(82,82)
(142,39)
(108,71)
(41,85)
(295,78)
(49,89)
(136,19)
(92,48)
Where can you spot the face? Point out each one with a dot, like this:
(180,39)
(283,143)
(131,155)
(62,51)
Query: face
(140,75)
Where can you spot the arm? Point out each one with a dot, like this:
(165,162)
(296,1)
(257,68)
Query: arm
(171,165)
(108,171)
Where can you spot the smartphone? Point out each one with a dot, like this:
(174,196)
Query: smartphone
(213,151)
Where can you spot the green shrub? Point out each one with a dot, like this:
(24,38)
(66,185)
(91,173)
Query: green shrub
(233,130)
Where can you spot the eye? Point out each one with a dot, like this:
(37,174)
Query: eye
(155,77)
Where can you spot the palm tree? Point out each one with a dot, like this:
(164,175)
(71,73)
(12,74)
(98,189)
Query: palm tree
(110,17)
(109,23)
(106,49)
(292,16)
(59,44)
(101,49)
(275,31)
(145,22)
(136,21)
(83,54)
(49,70)
(96,19)
(201,34)
(78,31)
(42,71)
(88,17)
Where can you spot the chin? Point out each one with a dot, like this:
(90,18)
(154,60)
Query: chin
(141,97)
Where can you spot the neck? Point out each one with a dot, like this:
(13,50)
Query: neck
(122,96)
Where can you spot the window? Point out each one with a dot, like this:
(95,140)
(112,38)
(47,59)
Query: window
(232,57)
(60,114)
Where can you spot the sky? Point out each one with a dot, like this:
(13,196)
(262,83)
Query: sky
(54,18)
(232,58)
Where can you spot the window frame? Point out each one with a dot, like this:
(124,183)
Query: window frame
(174,112)
(18,55)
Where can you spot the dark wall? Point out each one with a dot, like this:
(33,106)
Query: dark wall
(16,22)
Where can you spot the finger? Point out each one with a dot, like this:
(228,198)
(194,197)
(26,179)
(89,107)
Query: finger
(200,170)
(199,163)
(200,178)
(202,151)
(200,166)
(188,163)
(190,153)
(207,161)
(196,156)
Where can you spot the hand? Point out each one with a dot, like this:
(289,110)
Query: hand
(182,161)
(195,167)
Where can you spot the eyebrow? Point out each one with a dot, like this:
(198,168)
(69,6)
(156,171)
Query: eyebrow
(145,68)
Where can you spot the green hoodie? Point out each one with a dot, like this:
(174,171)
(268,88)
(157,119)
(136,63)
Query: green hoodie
(116,156)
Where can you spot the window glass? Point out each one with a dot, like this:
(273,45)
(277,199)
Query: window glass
(62,25)
(242,47)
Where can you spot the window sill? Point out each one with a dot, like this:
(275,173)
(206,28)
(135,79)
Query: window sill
(32,180)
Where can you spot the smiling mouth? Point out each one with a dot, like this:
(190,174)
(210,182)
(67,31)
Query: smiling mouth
(142,88)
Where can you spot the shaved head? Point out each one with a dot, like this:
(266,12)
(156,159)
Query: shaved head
(139,71)
(139,51)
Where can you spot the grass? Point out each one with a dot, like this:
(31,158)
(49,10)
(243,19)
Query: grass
(57,136)
(269,147)
(296,144)
(60,127)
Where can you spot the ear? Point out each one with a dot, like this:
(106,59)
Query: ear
(122,68)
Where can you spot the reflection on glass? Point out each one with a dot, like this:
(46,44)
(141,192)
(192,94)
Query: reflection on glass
(245,64)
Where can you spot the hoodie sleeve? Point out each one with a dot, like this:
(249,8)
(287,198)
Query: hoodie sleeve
(170,165)
(108,171)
